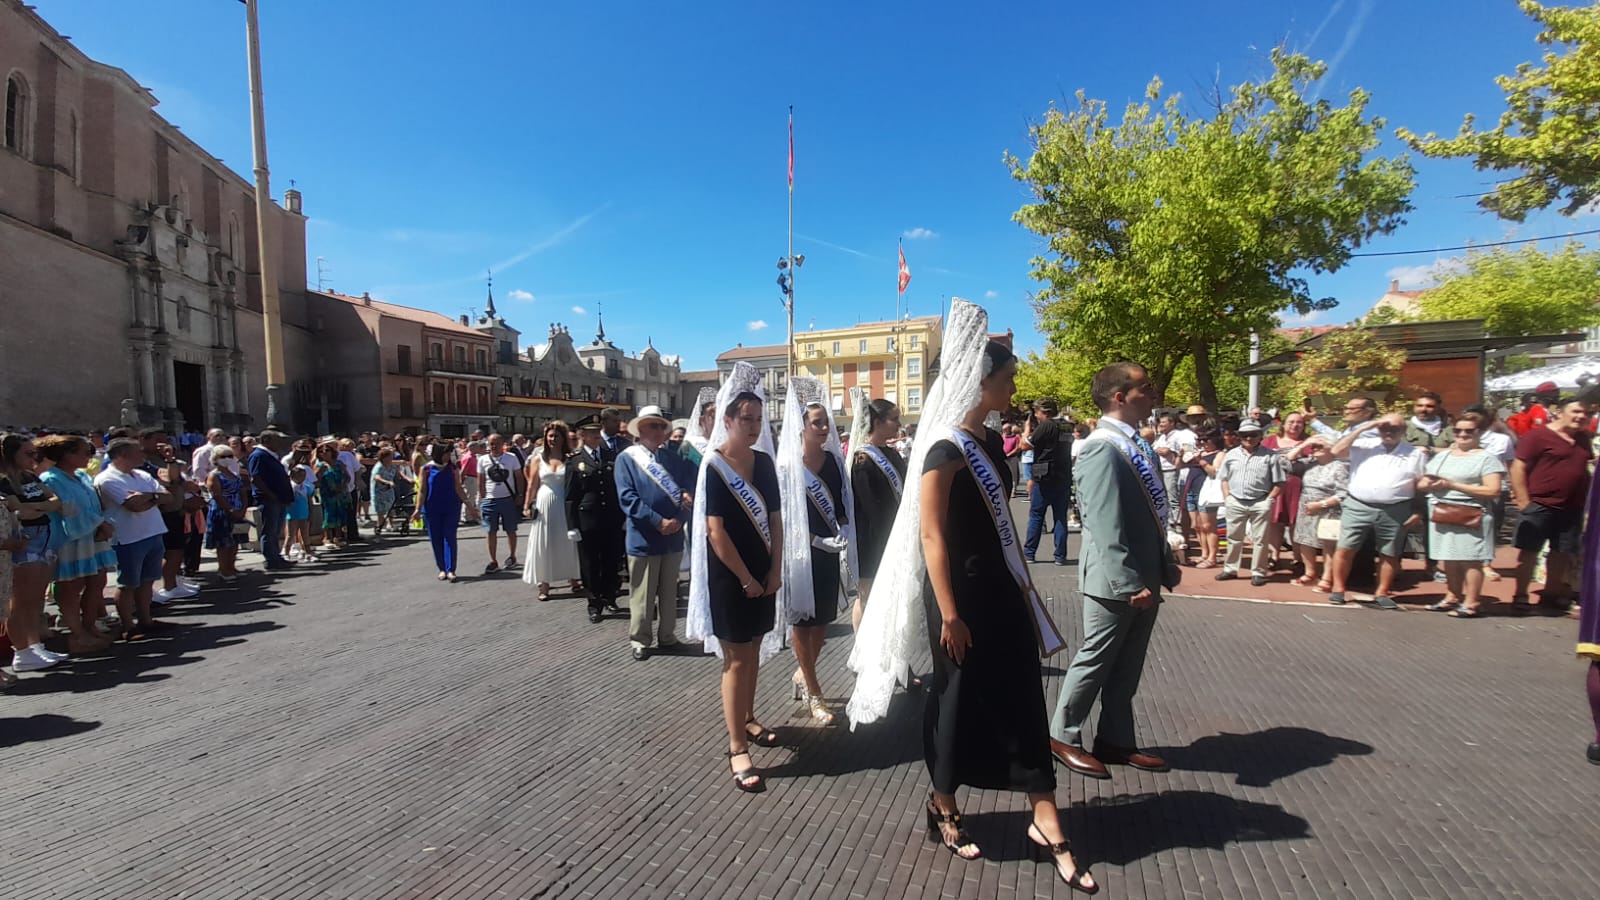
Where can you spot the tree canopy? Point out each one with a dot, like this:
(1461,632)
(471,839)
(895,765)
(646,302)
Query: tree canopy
(1547,134)
(1168,234)
(1521,292)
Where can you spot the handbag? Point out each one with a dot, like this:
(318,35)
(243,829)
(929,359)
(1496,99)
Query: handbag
(1328,528)
(1457,514)
(1210,493)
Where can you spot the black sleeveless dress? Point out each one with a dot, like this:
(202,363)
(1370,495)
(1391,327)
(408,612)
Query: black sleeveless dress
(825,576)
(876,505)
(734,617)
(984,724)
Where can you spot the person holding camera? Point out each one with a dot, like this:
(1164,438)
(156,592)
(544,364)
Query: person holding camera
(499,486)
(182,497)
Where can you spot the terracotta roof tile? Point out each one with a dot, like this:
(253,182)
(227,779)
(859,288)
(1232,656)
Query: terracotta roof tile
(426,317)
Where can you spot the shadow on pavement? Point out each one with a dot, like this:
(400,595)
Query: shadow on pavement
(1125,829)
(133,663)
(43,727)
(836,750)
(1259,758)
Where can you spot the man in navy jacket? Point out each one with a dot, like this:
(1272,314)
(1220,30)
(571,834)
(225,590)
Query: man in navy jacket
(656,507)
(273,492)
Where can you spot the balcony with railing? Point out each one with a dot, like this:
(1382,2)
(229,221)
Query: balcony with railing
(459,366)
(451,407)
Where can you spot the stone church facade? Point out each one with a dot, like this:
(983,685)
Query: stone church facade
(130,263)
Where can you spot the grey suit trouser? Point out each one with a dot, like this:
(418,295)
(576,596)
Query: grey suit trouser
(1108,666)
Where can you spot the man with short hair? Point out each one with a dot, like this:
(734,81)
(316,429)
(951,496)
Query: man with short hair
(522,447)
(1051,491)
(499,486)
(1173,440)
(1426,429)
(200,461)
(1383,482)
(1251,477)
(1356,411)
(1549,483)
(655,506)
(131,498)
(352,470)
(1125,562)
(611,433)
(273,492)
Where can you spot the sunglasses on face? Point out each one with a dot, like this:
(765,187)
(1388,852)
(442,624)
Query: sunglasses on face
(654,426)
(1465,430)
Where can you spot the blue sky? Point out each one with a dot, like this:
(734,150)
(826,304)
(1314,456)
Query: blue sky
(630,157)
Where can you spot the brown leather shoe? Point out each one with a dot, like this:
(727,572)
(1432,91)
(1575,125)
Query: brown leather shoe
(1078,760)
(1120,756)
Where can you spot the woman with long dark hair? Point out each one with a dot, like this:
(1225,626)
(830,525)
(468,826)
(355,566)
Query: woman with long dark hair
(552,555)
(877,477)
(960,564)
(34,564)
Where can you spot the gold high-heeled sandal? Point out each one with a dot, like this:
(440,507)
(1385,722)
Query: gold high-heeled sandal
(819,710)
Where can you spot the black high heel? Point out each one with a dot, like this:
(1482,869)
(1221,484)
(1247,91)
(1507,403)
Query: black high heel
(1044,851)
(936,834)
(747,780)
(766,737)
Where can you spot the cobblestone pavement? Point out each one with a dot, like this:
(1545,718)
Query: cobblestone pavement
(359,730)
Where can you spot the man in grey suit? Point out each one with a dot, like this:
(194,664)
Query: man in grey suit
(1125,561)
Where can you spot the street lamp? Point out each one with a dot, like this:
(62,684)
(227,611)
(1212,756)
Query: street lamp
(786,272)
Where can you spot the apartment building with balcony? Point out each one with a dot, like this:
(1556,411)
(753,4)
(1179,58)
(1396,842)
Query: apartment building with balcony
(400,369)
(892,360)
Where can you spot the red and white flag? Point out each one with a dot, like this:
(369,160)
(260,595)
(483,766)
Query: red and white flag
(905,272)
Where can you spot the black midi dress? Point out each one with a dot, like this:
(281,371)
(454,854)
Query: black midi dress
(825,574)
(985,724)
(876,505)
(736,618)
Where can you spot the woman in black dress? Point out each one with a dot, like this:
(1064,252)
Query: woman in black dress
(827,544)
(877,494)
(985,723)
(744,571)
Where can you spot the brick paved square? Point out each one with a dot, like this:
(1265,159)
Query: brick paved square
(360,730)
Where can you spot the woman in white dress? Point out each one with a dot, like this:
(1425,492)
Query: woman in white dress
(552,554)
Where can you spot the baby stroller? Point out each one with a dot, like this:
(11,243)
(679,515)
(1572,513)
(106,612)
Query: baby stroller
(405,503)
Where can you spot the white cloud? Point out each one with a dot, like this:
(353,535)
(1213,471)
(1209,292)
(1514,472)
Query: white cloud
(990,295)
(917,234)
(1295,320)
(522,295)
(1426,274)
(756,325)
(579,311)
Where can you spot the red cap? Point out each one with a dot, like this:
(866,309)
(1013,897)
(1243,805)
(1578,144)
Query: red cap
(1546,387)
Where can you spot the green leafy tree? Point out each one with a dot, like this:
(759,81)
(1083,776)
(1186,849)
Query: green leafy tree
(1548,132)
(1062,375)
(1233,391)
(1169,235)
(1524,291)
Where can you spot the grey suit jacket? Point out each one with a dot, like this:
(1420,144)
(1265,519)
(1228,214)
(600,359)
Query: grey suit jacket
(1124,548)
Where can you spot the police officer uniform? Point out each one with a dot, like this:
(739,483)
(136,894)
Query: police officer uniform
(593,510)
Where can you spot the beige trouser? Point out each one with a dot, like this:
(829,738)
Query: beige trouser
(1247,519)
(653,593)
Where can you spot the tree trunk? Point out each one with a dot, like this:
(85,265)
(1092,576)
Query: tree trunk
(1202,374)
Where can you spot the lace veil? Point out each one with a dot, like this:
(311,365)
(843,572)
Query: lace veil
(744,378)
(858,419)
(796,598)
(695,436)
(893,631)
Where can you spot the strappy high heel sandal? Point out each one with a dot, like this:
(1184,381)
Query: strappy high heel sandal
(959,841)
(765,737)
(798,683)
(748,779)
(819,710)
(1044,851)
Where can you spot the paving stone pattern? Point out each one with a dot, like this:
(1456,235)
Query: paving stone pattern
(359,730)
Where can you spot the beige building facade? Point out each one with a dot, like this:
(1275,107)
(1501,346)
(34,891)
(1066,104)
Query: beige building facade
(891,360)
(129,250)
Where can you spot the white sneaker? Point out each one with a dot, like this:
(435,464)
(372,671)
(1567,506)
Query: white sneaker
(295,551)
(29,660)
(181,592)
(47,653)
(186,581)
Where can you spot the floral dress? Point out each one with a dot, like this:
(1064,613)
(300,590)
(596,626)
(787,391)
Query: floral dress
(1318,482)
(332,487)
(219,522)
